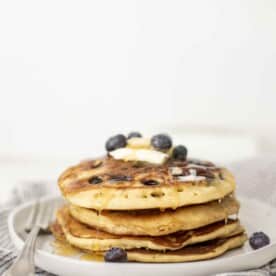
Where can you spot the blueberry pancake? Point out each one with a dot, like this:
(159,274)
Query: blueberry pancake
(85,237)
(156,222)
(195,252)
(110,184)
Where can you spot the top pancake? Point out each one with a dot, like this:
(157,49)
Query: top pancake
(109,184)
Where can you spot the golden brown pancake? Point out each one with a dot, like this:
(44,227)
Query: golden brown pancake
(110,184)
(196,252)
(156,222)
(82,236)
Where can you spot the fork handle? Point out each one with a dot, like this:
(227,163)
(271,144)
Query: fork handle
(24,263)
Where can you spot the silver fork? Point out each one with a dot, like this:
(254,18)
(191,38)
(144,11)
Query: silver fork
(24,263)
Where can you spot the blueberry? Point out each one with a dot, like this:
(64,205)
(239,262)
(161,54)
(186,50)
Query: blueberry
(134,134)
(95,180)
(258,240)
(115,142)
(180,153)
(150,182)
(119,178)
(161,142)
(115,254)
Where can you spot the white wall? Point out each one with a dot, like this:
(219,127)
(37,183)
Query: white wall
(73,72)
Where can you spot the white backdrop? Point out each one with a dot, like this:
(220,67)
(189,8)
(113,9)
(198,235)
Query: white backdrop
(74,72)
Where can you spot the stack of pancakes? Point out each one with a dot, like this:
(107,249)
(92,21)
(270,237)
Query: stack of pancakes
(174,212)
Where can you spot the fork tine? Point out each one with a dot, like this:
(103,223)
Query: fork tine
(44,216)
(40,213)
(31,218)
(49,216)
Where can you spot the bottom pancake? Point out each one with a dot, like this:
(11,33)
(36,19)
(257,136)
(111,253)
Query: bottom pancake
(89,238)
(196,252)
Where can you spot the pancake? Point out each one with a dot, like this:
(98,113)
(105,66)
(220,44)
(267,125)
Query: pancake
(156,222)
(196,252)
(82,236)
(110,184)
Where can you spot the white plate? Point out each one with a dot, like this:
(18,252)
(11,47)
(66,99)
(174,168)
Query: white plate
(255,216)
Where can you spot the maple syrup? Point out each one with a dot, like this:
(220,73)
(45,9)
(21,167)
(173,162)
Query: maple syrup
(64,249)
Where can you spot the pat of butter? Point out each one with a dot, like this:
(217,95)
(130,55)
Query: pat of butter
(138,143)
(146,155)
(122,153)
(151,156)
(190,178)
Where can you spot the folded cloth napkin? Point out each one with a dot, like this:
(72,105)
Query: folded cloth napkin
(256,178)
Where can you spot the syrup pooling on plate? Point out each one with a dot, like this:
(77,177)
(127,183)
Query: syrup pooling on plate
(64,249)
(92,257)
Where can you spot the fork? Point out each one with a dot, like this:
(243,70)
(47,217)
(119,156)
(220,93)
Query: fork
(24,263)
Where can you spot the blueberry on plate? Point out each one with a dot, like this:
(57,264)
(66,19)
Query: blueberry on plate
(258,240)
(115,254)
(115,142)
(180,153)
(161,142)
(134,134)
